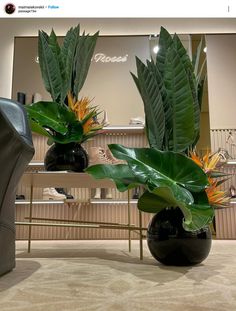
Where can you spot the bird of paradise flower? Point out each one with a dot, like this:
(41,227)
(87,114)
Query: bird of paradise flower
(209,163)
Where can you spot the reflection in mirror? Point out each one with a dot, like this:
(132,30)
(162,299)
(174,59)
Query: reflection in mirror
(109,82)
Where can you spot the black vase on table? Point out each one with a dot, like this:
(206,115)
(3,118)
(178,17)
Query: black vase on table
(170,244)
(66,157)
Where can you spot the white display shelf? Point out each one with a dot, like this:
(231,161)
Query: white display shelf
(119,129)
(36,163)
(231,162)
(25,202)
(112,201)
(71,201)
(124,129)
(233,201)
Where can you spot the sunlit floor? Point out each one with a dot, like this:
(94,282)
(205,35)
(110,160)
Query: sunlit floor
(103,275)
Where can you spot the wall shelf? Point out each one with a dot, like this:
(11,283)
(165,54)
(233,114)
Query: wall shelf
(124,129)
(112,201)
(231,162)
(71,201)
(38,202)
(36,163)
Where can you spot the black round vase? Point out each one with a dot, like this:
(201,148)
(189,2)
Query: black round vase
(170,244)
(66,157)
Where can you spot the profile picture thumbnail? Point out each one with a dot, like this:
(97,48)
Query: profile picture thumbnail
(10,8)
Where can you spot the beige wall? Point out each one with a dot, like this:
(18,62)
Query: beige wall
(109,84)
(29,27)
(221,65)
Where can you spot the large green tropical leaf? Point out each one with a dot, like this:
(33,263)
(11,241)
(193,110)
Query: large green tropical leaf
(121,174)
(165,198)
(83,55)
(196,216)
(152,166)
(49,65)
(68,51)
(51,115)
(153,106)
(150,133)
(180,98)
(74,134)
(201,213)
(159,169)
(35,127)
(154,71)
(173,83)
(165,42)
(54,45)
(180,184)
(189,70)
(152,203)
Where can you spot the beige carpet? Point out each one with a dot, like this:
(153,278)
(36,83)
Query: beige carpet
(103,275)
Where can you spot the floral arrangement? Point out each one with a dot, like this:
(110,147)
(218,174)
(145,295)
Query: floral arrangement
(64,69)
(209,164)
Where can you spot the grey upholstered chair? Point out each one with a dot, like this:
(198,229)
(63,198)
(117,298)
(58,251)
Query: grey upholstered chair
(16,150)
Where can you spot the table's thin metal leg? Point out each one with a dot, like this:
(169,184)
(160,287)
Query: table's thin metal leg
(140,235)
(30,217)
(129,221)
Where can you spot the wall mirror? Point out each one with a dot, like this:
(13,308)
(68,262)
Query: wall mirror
(109,82)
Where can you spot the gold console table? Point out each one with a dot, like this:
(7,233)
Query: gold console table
(43,179)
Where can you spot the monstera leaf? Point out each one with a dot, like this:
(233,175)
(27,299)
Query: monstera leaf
(55,121)
(170,179)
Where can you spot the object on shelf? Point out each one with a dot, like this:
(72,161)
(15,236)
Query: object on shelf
(137,121)
(136,193)
(102,194)
(108,193)
(97,155)
(224,155)
(52,194)
(62,191)
(232,191)
(21,97)
(36,98)
(20,197)
(98,193)
(105,121)
(113,160)
(230,141)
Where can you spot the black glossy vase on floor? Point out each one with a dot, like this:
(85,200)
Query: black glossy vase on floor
(170,244)
(66,157)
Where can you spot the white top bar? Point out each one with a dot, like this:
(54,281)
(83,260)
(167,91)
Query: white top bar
(120,8)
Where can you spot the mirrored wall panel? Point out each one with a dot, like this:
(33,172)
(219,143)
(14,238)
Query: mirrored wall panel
(109,82)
